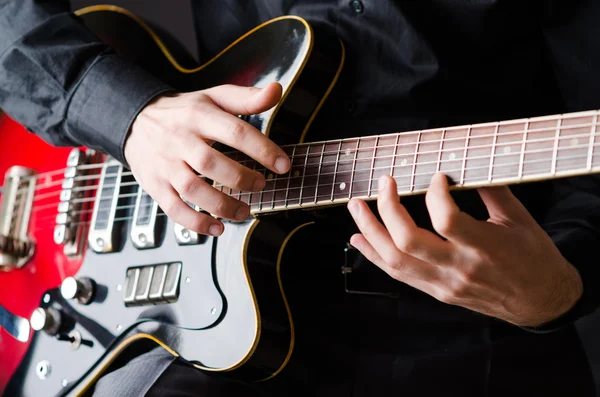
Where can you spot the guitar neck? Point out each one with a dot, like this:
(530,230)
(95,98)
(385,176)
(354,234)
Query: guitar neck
(331,172)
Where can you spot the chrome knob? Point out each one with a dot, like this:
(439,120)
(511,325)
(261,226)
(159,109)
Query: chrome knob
(80,289)
(48,320)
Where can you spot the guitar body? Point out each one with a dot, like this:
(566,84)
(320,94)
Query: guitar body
(23,289)
(231,315)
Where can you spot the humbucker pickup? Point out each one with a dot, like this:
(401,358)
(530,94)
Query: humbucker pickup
(152,284)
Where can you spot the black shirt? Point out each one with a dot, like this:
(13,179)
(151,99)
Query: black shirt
(410,65)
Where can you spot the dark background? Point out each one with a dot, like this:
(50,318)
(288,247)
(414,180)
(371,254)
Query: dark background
(175,16)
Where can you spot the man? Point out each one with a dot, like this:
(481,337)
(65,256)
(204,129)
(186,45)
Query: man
(479,307)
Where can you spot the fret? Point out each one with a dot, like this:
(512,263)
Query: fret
(555,146)
(319,173)
(335,170)
(439,160)
(328,171)
(289,178)
(362,168)
(523,149)
(394,154)
(345,169)
(539,147)
(507,151)
(254,197)
(311,170)
(384,159)
(573,151)
(591,144)
(479,153)
(426,161)
(372,166)
(453,153)
(351,187)
(414,165)
(462,171)
(493,154)
(297,175)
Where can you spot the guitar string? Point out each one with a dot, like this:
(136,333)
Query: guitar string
(363,193)
(377,147)
(392,165)
(372,149)
(346,195)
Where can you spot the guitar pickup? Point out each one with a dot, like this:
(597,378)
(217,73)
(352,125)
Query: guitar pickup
(152,284)
(102,236)
(146,227)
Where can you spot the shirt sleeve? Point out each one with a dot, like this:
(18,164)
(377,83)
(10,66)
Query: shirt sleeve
(62,83)
(572,220)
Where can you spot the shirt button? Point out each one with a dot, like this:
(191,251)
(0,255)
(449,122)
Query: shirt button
(357,6)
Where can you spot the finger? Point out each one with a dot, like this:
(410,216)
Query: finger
(215,165)
(178,211)
(409,238)
(245,100)
(415,280)
(196,191)
(502,206)
(447,219)
(230,130)
(397,263)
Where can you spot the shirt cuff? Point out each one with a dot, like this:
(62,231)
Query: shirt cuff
(107,100)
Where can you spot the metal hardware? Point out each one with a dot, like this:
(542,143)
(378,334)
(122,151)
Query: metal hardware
(102,235)
(81,289)
(42,369)
(17,327)
(152,284)
(48,320)
(144,228)
(348,269)
(17,200)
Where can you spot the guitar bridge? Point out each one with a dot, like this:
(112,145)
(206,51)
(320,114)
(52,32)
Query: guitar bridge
(16,248)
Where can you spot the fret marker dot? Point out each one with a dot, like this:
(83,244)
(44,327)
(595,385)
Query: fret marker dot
(403,162)
(342,185)
(347,152)
(296,174)
(506,149)
(269,177)
(574,142)
(452,156)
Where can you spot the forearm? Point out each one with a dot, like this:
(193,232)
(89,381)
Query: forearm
(62,83)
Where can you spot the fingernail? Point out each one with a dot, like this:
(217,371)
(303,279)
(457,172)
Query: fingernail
(259,184)
(383,182)
(241,213)
(215,230)
(353,207)
(282,164)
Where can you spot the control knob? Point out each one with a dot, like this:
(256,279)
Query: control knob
(80,289)
(48,320)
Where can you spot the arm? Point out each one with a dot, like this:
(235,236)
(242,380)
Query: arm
(60,81)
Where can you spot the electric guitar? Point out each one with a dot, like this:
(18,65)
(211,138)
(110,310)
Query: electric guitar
(220,303)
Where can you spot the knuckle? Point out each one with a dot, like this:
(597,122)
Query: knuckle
(445,296)
(170,205)
(199,223)
(188,185)
(236,130)
(205,161)
(221,207)
(408,243)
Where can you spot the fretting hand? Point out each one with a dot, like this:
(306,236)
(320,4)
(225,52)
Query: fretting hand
(506,267)
(172,137)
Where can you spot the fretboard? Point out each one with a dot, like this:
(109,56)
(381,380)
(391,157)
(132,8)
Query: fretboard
(331,172)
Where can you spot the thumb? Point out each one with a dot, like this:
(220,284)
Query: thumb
(503,206)
(236,99)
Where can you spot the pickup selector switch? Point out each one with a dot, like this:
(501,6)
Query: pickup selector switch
(80,289)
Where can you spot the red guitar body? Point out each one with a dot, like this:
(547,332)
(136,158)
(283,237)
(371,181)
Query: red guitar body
(21,290)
